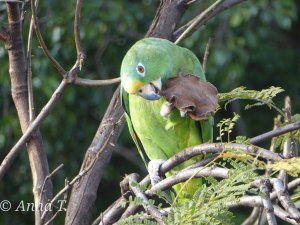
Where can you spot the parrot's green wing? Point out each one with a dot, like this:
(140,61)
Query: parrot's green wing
(135,138)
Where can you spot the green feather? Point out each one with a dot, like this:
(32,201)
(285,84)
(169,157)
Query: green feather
(162,137)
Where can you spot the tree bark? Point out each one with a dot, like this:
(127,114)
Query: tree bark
(167,17)
(84,192)
(19,89)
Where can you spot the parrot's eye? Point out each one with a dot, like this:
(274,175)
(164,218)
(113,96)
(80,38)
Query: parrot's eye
(140,69)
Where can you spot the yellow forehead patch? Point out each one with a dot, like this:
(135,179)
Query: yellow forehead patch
(132,86)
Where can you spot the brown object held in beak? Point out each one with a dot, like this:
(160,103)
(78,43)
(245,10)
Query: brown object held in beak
(191,95)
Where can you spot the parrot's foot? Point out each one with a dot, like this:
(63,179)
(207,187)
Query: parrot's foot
(166,109)
(153,169)
(183,113)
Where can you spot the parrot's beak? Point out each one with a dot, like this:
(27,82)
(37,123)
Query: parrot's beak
(151,91)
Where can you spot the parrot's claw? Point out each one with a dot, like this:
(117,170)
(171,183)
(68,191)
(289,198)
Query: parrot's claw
(166,109)
(183,113)
(153,169)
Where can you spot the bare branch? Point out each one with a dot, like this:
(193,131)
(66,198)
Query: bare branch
(284,215)
(167,17)
(203,16)
(56,64)
(19,89)
(49,177)
(284,198)
(80,53)
(184,175)
(276,132)
(206,53)
(84,192)
(29,71)
(201,20)
(95,83)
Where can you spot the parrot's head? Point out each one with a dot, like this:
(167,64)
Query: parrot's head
(145,67)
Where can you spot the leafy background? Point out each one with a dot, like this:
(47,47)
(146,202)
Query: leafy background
(256,44)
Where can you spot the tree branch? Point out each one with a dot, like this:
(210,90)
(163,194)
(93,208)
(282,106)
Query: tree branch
(84,192)
(167,17)
(56,64)
(95,83)
(79,50)
(19,89)
(276,132)
(203,18)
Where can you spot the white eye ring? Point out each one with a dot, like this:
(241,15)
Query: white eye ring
(140,69)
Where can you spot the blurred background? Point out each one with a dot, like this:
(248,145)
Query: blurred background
(255,44)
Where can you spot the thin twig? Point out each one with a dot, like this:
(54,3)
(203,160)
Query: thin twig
(206,53)
(198,20)
(56,64)
(49,177)
(77,27)
(205,17)
(29,71)
(274,133)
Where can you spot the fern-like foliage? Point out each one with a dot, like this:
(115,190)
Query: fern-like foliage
(226,126)
(263,97)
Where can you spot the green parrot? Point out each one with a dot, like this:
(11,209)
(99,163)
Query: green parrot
(144,70)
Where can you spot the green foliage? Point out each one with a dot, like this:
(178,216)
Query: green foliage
(291,166)
(226,125)
(263,97)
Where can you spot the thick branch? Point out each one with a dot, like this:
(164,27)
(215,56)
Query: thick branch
(18,75)
(167,17)
(84,192)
